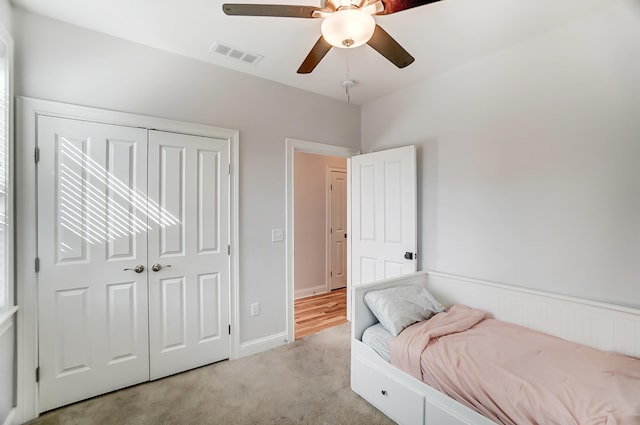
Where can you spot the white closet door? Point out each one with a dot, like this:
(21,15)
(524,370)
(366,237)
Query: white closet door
(188,242)
(383,218)
(91,226)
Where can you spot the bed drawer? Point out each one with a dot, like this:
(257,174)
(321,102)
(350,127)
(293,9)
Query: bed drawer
(438,415)
(400,403)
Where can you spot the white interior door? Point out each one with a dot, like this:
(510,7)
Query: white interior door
(91,226)
(188,244)
(338,230)
(383,214)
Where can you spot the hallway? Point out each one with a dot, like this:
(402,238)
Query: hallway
(318,312)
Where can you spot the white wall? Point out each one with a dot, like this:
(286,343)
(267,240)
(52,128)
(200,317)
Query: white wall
(310,194)
(6,15)
(528,160)
(57,61)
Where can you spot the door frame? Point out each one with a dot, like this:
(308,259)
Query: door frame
(293,146)
(26,237)
(329,215)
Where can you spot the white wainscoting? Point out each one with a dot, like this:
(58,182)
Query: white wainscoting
(605,326)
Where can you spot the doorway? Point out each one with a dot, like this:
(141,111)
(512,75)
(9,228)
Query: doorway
(320,235)
(320,212)
(306,276)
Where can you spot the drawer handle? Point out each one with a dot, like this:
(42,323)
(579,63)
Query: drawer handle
(384,392)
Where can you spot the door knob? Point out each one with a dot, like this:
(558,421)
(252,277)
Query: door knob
(138,269)
(157,267)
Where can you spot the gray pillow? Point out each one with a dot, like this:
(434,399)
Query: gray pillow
(401,306)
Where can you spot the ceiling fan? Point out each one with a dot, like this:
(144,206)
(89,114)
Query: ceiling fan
(346,24)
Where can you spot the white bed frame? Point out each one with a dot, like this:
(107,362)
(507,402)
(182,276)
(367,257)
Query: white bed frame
(406,400)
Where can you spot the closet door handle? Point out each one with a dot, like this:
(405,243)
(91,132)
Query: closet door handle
(157,267)
(138,269)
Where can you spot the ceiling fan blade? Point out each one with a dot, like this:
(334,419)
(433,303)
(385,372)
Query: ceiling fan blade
(319,51)
(384,44)
(374,8)
(393,6)
(278,10)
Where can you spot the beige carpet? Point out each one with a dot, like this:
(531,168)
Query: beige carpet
(306,382)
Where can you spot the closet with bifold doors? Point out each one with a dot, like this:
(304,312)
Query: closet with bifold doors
(133,229)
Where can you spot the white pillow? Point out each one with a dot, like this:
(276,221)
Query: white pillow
(401,306)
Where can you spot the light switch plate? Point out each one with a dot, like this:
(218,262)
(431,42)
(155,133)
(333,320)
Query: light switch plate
(277,235)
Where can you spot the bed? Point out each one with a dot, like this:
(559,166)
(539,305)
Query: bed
(407,400)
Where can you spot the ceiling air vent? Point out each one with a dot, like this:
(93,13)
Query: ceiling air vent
(233,53)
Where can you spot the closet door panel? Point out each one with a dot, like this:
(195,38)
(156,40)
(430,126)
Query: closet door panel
(189,182)
(171,200)
(93,333)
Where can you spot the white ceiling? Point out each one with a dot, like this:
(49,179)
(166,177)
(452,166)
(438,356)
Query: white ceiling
(440,36)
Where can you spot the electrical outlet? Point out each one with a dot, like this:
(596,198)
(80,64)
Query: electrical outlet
(255,309)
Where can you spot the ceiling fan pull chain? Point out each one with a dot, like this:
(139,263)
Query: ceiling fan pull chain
(347,81)
(346,86)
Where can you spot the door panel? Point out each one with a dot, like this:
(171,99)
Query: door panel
(74,349)
(208,202)
(121,321)
(338,210)
(383,218)
(171,197)
(189,295)
(122,200)
(210,323)
(367,269)
(173,314)
(91,226)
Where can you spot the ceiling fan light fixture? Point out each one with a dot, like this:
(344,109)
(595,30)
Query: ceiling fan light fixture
(348,28)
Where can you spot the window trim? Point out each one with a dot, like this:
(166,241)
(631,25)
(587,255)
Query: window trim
(11,306)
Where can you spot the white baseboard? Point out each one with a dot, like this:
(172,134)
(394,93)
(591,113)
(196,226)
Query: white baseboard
(10,419)
(6,316)
(307,292)
(262,344)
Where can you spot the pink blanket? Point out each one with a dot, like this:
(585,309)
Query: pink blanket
(515,375)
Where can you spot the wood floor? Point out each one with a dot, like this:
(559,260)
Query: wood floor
(318,312)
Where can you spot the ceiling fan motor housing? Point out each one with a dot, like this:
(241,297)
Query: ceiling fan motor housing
(348,28)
